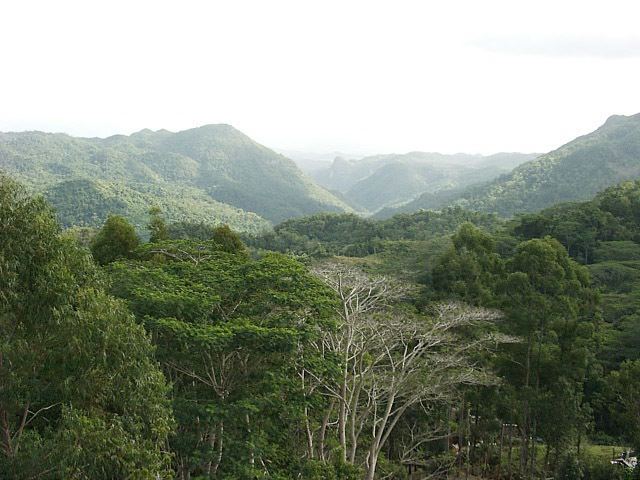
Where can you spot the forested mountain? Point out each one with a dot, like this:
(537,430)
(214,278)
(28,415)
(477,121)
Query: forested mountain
(374,350)
(330,346)
(380,181)
(567,280)
(310,162)
(575,171)
(212,173)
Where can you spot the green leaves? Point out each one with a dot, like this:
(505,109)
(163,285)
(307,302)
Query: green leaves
(157,226)
(575,171)
(79,390)
(213,174)
(117,239)
(239,335)
(548,302)
(624,393)
(230,332)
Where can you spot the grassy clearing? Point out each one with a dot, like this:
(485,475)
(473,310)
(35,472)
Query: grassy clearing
(603,453)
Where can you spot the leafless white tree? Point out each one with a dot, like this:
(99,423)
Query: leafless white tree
(392,359)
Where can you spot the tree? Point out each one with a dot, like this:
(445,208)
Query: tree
(470,268)
(80,395)
(392,359)
(547,298)
(624,388)
(230,332)
(116,239)
(157,226)
(548,303)
(228,240)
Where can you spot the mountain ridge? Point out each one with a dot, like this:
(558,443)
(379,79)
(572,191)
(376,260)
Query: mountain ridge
(575,171)
(214,166)
(381,181)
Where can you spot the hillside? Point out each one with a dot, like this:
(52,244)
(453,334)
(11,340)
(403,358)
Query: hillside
(327,234)
(212,173)
(575,171)
(382,181)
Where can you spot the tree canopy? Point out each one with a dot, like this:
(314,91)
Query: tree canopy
(80,393)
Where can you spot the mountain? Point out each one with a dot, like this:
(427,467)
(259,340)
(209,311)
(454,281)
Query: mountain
(311,162)
(212,173)
(575,171)
(379,181)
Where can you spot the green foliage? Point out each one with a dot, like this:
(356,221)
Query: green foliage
(578,226)
(212,174)
(80,395)
(116,239)
(350,235)
(181,203)
(602,233)
(468,270)
(570,468)
(157,226)
(624,387)
(190,231)
(318,470)
(606,471)
(320,235)
(617,250)
(235,333)
(575,171)
(228,240)
(550,306)
(231,333)
(620,277)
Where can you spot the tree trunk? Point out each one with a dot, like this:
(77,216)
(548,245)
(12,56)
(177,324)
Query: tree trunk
(373,460)
(342,427)
(212,444)
(460,434)
(510,451)
(307,426)
(524,429)
(216,463)
(7,446)
(323,431)
(342,415)
(532,467)
(252,455)
(500,450)
(546,457)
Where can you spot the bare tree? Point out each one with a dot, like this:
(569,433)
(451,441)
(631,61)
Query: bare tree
(360,295)
(392,358)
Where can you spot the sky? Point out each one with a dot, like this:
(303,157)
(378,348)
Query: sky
(477,76)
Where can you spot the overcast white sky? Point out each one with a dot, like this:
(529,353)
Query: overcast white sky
(357,76)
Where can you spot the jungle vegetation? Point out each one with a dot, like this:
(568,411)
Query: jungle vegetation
(442,343)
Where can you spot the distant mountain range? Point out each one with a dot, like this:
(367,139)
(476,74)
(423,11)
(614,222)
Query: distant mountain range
(310,162)
(216,174)
(379,181)
(575,171)
(211,174)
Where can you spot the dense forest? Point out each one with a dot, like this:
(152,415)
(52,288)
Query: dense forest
(212,174)
(336,240)
(448,344)
(574,172)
